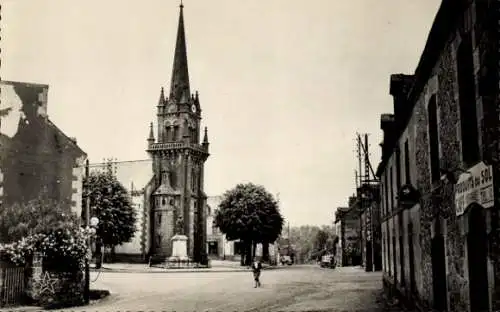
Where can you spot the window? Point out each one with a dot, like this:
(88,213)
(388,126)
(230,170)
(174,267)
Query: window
(168,134)
(467,101)
(398,169)
(388,237)
(194,139)
(176,133)
(407,163)
(158,240)
(411,256)
(394,259)
(401,250)
(159,218)
(193,180)
(382,195)
(433,139)
(391,189)
(386,193)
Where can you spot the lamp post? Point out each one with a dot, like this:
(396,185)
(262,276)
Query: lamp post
(89,223)
(86,292)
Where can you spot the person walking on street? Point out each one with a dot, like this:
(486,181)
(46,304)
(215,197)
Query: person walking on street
(256,268)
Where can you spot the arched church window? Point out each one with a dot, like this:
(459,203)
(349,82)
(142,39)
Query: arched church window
(176,133)
(192,132)
(159,218)
(171,201)
(168,133)
(163,201)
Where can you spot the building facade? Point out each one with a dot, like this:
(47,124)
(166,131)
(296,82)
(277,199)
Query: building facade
(37,160)
(347,220)
(137,178)
(217,245)
(439,170)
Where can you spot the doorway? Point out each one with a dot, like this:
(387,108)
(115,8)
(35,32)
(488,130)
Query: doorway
(477,259)
(213,249)
(438,270)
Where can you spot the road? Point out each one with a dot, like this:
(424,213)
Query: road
(295,288)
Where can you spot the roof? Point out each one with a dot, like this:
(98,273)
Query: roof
(30,98)
(134,174)
(442,26)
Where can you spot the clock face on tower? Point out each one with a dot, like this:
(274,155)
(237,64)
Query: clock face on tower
(193,108)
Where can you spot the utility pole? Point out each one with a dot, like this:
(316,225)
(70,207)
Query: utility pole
(359,158)
(367,159)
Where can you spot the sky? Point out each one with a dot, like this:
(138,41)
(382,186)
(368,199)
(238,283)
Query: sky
(284,85)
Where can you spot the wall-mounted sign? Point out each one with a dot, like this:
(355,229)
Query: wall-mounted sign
(474,186)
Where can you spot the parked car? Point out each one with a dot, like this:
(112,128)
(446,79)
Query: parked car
(328,261)
(286,260)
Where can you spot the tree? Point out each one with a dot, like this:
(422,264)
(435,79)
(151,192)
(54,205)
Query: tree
(321,240)
(249,213)
(34,217)
(111,204)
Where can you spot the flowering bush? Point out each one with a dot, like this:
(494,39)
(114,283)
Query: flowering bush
(62,249)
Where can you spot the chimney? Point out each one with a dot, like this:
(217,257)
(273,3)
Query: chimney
(387,124)
(400,87)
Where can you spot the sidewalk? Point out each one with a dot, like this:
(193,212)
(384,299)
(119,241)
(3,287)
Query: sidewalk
(216,266)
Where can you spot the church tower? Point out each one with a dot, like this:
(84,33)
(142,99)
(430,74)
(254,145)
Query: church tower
(178,200)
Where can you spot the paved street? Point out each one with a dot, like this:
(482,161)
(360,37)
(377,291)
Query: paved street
(296,288)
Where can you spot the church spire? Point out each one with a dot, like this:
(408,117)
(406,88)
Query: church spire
(179,85)
(151,137)
(205,137)
(161,101)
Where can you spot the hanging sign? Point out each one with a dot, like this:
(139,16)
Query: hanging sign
(474,186)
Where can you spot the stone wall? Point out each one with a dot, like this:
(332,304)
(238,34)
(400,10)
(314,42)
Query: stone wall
(437,197)
(54,289)
(36,158)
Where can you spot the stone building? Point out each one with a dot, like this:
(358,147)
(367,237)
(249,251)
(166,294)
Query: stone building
(439,164)
(217,245)
(37,160)
(136,176)
(349,225)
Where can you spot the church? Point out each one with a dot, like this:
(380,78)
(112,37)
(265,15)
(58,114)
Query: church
(167,189)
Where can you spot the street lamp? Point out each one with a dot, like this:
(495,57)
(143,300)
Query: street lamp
(94,221)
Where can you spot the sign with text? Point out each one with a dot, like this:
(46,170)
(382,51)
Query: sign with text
(474,186)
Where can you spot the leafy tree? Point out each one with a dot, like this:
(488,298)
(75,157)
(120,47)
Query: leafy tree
(34,217)
(321,240)
(312,241)
(249,213)
(111,204)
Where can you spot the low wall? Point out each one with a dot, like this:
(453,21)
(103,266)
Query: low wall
(54,289)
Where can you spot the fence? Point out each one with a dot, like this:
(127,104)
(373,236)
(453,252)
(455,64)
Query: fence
(12,285)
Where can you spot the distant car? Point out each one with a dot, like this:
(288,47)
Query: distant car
(327,261)
(286,260)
